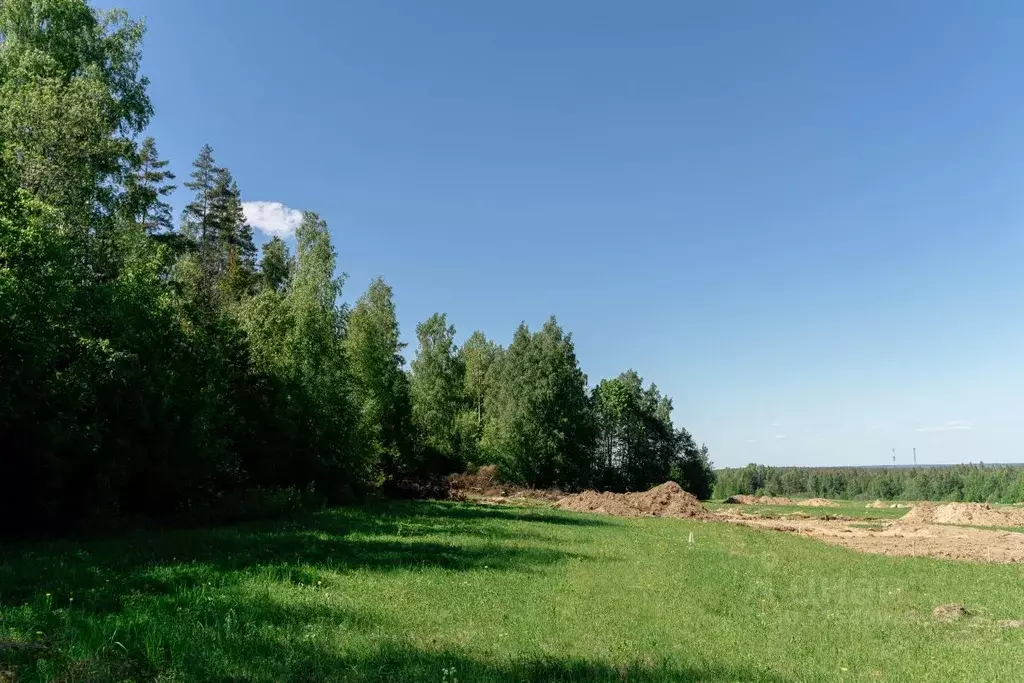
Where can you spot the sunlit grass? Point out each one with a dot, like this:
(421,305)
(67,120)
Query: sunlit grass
(442,591)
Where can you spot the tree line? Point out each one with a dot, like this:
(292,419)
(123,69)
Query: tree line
(172,370)
(972,483)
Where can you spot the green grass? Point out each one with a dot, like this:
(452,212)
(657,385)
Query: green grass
(441,592)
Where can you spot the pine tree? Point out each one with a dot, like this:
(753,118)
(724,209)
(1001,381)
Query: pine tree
(198,219)
(145,189)
(237,253)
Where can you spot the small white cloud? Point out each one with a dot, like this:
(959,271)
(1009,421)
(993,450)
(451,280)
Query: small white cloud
(951,426)
(272,218)
(751,440)
(776,424)
(777,437)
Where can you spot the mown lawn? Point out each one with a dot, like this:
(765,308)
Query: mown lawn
(451,592)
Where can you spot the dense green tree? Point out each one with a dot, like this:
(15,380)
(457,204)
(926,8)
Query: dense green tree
(637,444)
(478,355)
(540,429)
(276,265)
(437,392)
(71,98)
(381,386)
(237,251)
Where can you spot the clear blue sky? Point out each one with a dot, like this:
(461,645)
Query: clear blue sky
(803,220)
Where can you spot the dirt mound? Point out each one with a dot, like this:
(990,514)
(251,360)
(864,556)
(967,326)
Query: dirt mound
(665,500)
(978,514)
(818,503)
(877,505)
(484,480)
(741,499)
(922,513)
(970,514)
(485,486)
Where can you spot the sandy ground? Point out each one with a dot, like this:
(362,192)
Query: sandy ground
(904,538)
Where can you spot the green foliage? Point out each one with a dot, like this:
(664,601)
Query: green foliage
(972,483)
(380,384)
(276,265)
(540,429)
(71,98)
(437,393)
(145,188)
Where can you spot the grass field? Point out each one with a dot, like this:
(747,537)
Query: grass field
(450,592)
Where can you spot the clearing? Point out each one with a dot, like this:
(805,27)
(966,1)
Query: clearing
(448,591)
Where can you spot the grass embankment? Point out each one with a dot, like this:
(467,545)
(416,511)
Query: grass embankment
(443,592)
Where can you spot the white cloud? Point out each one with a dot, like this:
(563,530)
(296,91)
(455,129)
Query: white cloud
(779,436)
(272,218)
(951,426)
(751,440)
(776,424)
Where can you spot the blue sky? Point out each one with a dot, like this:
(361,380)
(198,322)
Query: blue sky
(803,220)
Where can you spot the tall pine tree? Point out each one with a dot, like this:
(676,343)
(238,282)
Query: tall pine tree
(145,189)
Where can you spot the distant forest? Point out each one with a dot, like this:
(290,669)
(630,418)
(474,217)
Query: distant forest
(973,483)
(162,367)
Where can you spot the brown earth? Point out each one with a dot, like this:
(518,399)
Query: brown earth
(665,500)
(818,503)
(876,505)
(975,514)
(741,499)
(902,538)
(484,486)
(950,612)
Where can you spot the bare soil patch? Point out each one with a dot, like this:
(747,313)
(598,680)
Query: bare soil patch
(906,538)
(818,503)
(950,612)
(975,514)
(741,499)
(665,500)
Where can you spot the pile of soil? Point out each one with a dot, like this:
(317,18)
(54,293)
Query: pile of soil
(484,485)
(971,514)
(741,499)
(818,503)
(877,505)
(665,500)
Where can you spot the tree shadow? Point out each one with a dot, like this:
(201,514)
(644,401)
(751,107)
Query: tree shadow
(385,537)
(403,663)
(251,602)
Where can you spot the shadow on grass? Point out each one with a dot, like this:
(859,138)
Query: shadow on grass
(253,602)
(383,537)
(403,663)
